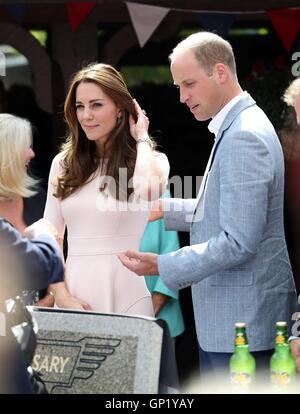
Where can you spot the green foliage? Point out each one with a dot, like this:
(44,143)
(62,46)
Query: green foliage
(40,35)
(266,84)
(139,75)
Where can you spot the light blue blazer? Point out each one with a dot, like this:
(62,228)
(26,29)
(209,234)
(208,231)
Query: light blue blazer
(237,263)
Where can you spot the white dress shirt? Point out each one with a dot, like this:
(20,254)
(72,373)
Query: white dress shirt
(217,121)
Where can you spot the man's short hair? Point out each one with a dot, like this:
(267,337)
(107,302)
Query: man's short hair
(209,49)
(292,92)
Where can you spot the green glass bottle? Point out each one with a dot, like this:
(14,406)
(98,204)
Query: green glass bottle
(282,363)
(242,363)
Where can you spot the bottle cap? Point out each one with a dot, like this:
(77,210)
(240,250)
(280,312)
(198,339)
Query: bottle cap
(281,323)
(240,325)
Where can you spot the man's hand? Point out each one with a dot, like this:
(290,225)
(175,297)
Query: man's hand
(295,348)
(42,226)
(157,211)
(139,263)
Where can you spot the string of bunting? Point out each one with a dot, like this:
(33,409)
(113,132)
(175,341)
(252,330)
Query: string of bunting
(146,18)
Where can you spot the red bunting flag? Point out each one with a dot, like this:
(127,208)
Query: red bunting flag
(287,24)
(77,12)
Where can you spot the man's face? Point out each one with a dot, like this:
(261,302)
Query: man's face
(199,91)
(297,108)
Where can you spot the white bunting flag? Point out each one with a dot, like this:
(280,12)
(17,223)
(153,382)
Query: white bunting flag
(145,19)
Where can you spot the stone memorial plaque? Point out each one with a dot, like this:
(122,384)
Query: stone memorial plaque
(89,352)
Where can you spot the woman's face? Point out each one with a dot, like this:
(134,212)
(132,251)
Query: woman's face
(96,112)
(29,154)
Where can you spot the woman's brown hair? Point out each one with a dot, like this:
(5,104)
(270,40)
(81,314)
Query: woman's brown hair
(81,157)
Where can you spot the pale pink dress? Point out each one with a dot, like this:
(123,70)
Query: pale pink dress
(97,231)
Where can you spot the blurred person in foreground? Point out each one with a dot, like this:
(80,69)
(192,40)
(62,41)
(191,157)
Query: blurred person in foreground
(25,265)
(22,200)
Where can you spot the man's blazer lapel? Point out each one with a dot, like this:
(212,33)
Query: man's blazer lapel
(230,117)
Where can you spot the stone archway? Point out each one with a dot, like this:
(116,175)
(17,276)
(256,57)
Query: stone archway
(39,59)
(118,45)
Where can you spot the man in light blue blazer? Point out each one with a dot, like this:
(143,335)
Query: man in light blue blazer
(237,264)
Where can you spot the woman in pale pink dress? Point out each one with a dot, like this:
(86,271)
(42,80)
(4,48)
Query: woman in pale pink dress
(100,186)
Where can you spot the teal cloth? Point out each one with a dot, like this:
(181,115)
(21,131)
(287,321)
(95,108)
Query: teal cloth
(158,240)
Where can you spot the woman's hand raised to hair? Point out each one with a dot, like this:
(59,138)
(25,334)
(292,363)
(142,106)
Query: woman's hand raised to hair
(139,128)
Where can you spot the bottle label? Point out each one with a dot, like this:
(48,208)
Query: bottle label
(280,378)
(240,340)
(280,339)
(240,378)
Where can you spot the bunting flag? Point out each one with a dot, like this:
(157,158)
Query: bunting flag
(145,19)
(77,12)
(219,23)
(287,24)
(16,11)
